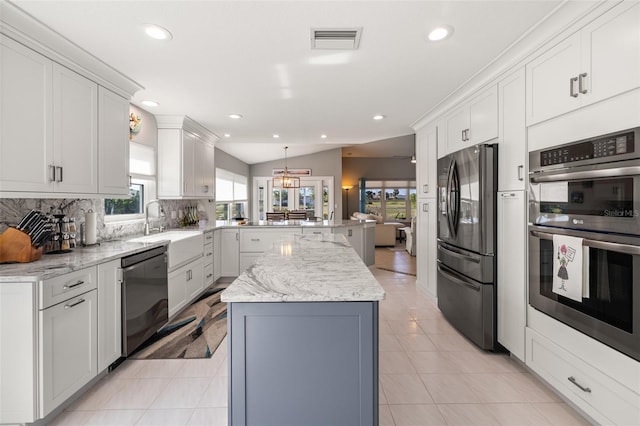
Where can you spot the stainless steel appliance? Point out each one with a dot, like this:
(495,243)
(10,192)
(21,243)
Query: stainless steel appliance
(590,189)
(145,302)
(467,184)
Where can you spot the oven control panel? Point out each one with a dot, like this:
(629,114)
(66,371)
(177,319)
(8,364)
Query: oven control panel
(609,146)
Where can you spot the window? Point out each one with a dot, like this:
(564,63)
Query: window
(393,200)
(231,195)
(142,169)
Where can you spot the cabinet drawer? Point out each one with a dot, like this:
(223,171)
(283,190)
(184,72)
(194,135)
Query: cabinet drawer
(208,237)
(252,241)
(316,231)
(59,289)
(604,399)
(208,274)
(208,253)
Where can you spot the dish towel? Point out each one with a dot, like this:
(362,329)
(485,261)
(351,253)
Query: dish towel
(568,267)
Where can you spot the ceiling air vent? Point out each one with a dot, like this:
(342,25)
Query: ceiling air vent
(335,38)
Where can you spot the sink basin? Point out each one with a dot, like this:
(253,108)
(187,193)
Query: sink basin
(184,246)
(163,236)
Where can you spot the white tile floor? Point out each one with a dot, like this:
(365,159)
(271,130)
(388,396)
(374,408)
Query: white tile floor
(429,375)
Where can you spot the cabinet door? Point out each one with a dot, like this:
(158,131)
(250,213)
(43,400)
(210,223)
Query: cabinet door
(68,343)
(512,138)
(512,281)
(549,84)
(113,143)
(611,53)
(109,314)
(354,236)
(204,169)
(483,117)
(177,290)
(456,124)
(26,128)
(75,131)
(195,280)
(426,254)
(230,253)
(188,164)
(426,166)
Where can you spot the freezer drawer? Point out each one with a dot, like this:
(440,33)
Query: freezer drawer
(468,305)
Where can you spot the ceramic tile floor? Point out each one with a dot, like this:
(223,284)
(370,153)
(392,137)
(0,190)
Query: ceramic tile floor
(429,375)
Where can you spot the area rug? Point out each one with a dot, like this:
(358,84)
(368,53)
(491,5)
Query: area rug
(195,333)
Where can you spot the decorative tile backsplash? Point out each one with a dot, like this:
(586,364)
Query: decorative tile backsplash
(13,209)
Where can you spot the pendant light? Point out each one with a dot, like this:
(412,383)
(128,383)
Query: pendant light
(286,180)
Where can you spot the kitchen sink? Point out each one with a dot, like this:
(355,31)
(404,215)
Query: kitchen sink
(184,245)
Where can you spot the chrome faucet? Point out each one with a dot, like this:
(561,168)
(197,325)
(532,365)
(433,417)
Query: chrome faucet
(148,230)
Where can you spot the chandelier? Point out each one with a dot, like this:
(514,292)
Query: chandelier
(286,180)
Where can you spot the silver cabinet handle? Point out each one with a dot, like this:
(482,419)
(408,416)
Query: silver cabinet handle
(520,170)
(509,195)
(468,132)
(209,276)
(67,287)
(209,254)
(59,168)
(575,382)
(425,188)
(74,304)
(572,81)
(317,232)
(351,232)
(425,207)
(236,236)
(205,188)
(462,137)
(52,170)
(581,86)
(255,239)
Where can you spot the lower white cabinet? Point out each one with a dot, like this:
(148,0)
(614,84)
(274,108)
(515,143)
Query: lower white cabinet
(512,271)
(229,252)
(426,254)
(68,342)
(208,258)
(109,313)
(184,284)
(216,254)
(599,396)
(354,235)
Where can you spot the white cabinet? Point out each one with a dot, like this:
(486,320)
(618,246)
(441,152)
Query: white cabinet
(109,313)
(476,121)
(186,164)
(217,248)
(68,342)
(254,242)
(426,254)
(512,150)
(426,165)
(598,62)
(208,258)
(185,283)
(512,271)
(355,236)
(229,252)
(113,143)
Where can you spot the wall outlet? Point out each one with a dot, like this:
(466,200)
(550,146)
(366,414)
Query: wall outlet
(174,214)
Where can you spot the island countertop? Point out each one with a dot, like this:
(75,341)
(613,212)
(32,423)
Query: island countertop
(306,268)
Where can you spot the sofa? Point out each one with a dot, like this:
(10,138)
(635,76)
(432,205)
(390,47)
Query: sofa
(385,232)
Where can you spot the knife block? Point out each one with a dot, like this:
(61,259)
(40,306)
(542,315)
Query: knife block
(15,246)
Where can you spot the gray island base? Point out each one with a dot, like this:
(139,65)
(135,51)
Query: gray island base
(303,337)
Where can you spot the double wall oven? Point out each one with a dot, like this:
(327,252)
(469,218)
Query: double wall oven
(590,189)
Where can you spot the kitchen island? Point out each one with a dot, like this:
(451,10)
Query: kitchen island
(303,336)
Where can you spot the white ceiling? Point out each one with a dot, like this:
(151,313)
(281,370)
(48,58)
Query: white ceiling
(254,58)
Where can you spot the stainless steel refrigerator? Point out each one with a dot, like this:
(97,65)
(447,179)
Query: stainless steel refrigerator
(467,185)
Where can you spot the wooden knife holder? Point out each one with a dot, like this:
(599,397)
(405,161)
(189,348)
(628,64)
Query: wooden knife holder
(15,246)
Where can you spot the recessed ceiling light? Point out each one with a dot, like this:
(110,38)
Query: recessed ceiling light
(323,136)
(157,32)
(440,33)
(150,103)
(236,116)
(276,136)
(378,117)
(227,135)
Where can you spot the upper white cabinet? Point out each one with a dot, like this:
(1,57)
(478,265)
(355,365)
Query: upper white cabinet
(426,165)
(113,143)
(599,61)
(512,151)
(50,125)
(476,121)
(186,167)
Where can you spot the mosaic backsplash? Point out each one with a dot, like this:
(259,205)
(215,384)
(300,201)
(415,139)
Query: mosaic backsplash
(13,209)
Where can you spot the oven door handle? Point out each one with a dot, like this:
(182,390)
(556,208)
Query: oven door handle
(603,245)
(458,279)
(563,175)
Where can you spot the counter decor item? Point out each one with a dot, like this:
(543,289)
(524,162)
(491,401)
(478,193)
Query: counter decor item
(16,247)
(90,228)
(135,123)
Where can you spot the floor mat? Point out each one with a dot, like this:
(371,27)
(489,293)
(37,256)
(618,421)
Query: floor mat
(195,333)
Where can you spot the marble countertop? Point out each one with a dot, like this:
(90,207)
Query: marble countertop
(306,268)
(53,265)
(285,224)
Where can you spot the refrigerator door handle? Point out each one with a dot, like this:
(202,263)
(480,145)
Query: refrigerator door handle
(459,254)
(458,279)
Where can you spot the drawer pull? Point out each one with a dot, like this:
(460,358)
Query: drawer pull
(582,388)
(209,275)
(67,287)
(255,239)
(209,254)
(74,304)
(317,232)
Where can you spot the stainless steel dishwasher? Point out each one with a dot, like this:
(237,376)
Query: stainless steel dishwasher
(145,301)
